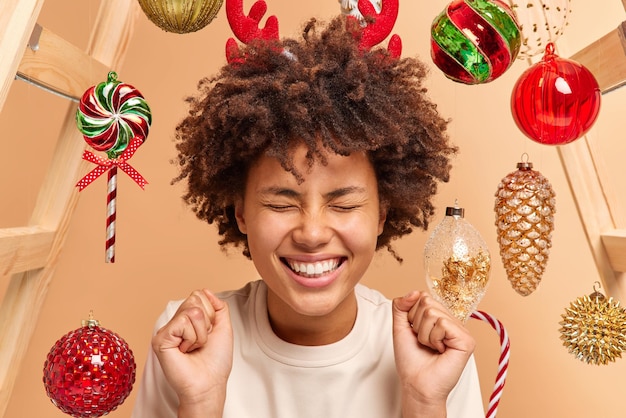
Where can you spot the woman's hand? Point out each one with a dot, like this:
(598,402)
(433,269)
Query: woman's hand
(195,350)
(431,350)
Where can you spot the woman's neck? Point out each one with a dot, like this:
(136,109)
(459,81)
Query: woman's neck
(306,330)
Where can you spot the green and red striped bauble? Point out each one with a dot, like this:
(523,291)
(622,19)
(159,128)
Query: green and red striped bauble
(475,41)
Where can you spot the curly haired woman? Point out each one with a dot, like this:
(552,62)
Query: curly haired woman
(310,155)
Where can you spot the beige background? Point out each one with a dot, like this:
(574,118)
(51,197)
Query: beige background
(164,253)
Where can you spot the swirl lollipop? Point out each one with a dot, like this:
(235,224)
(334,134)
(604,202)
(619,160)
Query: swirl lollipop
(110,114)
(113,117)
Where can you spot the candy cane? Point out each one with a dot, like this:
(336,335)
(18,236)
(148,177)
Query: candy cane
(503,363)
(111,207)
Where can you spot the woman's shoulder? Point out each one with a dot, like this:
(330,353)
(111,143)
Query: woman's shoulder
(371,296)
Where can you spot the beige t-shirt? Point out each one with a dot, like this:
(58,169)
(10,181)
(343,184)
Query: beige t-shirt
(354,377)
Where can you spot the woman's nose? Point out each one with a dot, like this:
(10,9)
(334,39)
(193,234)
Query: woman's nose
(313,231)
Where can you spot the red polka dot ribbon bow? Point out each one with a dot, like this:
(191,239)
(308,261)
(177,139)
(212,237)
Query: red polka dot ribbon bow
(105,165)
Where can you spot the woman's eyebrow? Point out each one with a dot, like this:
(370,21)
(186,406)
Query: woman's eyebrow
(333,194)
(279,191)
(343,191)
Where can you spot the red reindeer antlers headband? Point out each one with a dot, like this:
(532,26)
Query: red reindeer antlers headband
(246,28)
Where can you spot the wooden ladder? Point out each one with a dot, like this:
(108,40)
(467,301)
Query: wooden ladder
(592,189)
(28,254)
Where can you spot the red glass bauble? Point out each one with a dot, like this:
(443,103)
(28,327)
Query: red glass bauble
(89,372)
(556,100)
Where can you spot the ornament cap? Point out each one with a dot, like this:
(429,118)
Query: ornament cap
(455,211)
(90,322)
(524,164)
(597,296)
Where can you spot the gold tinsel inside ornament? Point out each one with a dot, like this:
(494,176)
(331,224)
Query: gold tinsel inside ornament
(457,264)
(181,16)
(463,281)
(524,208)
(593,329)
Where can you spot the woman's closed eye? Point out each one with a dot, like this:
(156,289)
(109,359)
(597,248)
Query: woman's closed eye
(345,208)
(280,207)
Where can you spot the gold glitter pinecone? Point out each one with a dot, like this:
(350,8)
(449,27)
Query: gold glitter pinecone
(524,208)
(593,329)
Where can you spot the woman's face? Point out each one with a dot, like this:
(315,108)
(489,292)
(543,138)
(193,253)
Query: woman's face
(311,242)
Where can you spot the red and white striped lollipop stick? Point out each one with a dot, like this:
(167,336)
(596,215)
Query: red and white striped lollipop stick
(503,363)
(111,209)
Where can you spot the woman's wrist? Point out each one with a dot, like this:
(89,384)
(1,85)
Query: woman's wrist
(211,405)
(416,404)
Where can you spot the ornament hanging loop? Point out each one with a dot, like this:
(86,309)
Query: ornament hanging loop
(112,77)
(525,163)
(597,295)
(549,49)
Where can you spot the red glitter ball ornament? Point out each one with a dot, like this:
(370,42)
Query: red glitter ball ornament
(555,101)
(89,372)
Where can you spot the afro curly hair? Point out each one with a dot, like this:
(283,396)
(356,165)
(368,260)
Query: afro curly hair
(324,91)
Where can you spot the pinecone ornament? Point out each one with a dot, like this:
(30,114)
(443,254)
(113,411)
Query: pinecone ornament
(524,208)
(593,329)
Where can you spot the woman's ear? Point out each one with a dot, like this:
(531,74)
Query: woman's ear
(241,220)
(382,217)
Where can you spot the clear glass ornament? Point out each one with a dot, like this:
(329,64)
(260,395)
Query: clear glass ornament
(457,264)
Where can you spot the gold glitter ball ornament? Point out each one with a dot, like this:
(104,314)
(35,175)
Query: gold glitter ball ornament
(457,264)
(593,329)
(181,16)
(524,208)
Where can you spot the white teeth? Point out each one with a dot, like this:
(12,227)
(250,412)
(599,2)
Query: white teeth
(313,269)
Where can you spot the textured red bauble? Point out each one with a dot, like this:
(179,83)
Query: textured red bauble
(556,100)
(89,372)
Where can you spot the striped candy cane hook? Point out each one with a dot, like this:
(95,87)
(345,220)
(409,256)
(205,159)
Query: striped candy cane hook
(111,209)
(503,363)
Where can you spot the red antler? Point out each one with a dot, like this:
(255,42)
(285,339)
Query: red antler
(247,28)
(376,32)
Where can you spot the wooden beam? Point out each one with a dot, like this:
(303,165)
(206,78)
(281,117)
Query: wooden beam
(615,244)
(24,248)
(593,209)
(606,59)
(17,19)
(60,66)
(56,201)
